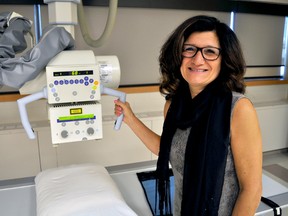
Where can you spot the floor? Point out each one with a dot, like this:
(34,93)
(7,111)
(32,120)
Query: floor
(275,165)
(275,180)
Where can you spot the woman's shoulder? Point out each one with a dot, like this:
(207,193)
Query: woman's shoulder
(236,96)
(241,105)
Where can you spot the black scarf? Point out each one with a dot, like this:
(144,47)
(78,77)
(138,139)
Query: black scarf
(208,115)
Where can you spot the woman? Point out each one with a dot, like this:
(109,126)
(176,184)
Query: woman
(211,134)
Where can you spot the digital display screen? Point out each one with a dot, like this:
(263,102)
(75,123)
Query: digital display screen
(72,73)
(76,118)
(75,111)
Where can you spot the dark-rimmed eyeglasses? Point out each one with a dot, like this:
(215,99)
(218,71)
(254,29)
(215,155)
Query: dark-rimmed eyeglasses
(208,53)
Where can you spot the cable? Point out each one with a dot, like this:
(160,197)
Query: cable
(108,28)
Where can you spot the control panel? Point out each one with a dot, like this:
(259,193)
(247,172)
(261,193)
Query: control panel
(73,76)
(81,84)
(75,122)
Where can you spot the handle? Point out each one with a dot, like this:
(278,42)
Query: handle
(122,98)
(23,112)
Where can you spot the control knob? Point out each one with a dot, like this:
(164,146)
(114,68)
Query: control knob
(90,131)
(64,134)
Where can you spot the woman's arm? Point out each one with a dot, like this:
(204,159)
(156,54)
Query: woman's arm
(246,144)
(145,134)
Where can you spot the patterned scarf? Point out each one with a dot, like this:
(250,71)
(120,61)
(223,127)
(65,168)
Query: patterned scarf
(208,115)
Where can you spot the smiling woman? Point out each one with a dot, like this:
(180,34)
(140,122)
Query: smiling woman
(210,127)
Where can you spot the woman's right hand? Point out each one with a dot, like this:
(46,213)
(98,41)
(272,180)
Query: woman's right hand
(125,109)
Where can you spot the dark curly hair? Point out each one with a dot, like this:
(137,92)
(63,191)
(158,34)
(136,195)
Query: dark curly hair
(232,65)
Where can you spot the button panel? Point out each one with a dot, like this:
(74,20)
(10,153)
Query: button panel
(65,86)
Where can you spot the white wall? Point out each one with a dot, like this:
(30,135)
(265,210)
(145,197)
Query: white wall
(137,37)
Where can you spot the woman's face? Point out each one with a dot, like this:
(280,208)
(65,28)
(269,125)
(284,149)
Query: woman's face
(197,71)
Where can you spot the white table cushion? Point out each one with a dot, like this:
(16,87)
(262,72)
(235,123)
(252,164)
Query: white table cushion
(79,190)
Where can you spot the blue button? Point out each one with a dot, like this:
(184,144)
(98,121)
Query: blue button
(81,81)
(76,81)
(66,82)
(91,80)
(86,83)
(61,82)
(86,78)
(71,81)
(56,82)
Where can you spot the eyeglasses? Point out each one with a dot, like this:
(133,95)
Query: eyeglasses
(208,53)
